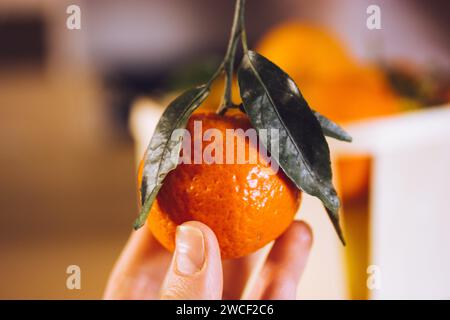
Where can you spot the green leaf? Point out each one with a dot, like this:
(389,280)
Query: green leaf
(163,152)
(272,101)
(331,129)
(334,217)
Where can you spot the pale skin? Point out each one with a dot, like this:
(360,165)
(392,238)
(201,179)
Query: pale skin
(145,270)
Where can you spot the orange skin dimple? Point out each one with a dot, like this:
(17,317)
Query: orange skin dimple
(247,205)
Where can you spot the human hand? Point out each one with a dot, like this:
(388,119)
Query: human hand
(145,270)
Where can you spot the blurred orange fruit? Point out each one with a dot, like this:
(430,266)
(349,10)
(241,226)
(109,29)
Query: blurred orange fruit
(306,53)
(334,84)
(246,205)
(361,95)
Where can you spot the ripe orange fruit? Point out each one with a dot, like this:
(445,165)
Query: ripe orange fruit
(247,205)
(335,85)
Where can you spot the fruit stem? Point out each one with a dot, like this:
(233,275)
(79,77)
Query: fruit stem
(243,32)
(228,62)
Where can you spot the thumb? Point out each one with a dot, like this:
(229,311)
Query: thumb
(196,268)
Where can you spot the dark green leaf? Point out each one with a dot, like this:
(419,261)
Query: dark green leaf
(163,152)
(331,129)
(334,217)
(272,101)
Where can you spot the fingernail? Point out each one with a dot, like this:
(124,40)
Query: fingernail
(189,250)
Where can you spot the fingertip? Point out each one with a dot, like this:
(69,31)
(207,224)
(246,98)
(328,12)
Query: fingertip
(302,232)
(208,234)
(196,270)
(212,249)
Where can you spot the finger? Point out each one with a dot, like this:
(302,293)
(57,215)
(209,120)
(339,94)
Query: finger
(196,268)
(236,273)
(138,272)
(284,265)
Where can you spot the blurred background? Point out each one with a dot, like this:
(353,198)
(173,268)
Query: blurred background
(67,154)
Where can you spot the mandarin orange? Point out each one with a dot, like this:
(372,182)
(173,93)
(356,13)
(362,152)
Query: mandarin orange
(246,203)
